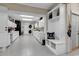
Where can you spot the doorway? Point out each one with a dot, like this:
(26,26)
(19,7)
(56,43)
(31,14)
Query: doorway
(74,32)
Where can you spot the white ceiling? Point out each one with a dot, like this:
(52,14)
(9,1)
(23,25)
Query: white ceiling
(39,5)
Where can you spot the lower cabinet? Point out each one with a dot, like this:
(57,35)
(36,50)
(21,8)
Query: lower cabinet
(14,35)
(39,35)
(4,40)
(56,46)
(53,45)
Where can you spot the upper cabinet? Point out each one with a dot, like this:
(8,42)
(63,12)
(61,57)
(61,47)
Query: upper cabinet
(54,14)
(3,19)
(41,23)
(56,20)
(11,22)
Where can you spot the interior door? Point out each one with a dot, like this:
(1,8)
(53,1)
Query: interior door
(74,31)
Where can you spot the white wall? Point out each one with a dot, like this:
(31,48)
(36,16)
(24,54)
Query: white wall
(26,28)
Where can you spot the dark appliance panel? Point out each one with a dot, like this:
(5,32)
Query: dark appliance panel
(51,35)
(18,27)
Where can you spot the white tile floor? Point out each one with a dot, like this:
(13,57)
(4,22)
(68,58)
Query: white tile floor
(26,46)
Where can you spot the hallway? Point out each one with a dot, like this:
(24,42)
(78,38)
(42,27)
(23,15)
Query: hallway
(26,46)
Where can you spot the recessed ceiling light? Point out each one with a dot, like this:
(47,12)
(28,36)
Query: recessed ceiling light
(27,19)
(27,16)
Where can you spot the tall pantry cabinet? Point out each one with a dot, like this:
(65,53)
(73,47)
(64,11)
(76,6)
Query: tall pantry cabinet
(4,35)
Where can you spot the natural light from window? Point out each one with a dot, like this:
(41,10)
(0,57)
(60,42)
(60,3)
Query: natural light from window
(27,19)
(27,16)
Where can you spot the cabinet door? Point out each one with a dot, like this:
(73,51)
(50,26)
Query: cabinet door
(74,33)
(4,39)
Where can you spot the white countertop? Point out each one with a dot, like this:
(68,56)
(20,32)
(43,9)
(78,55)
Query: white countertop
(57,41)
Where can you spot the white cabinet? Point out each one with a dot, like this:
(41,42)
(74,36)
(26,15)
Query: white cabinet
(56,23)
(4,39)
(39,35)
(14,36)
(11,24)
(56,46)
(4,36)
(3,22)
